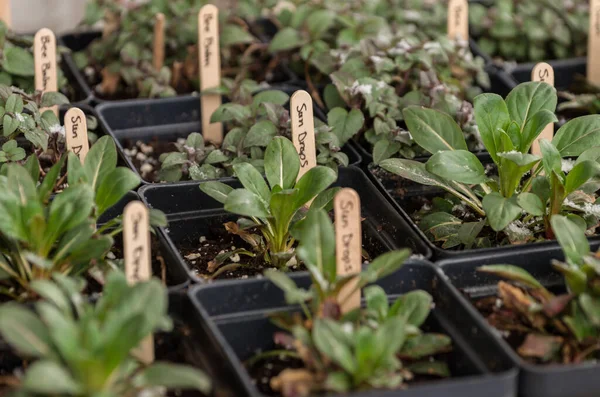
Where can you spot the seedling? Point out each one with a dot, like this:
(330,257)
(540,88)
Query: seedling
(42,236)
(531,31)
(381,78)
(271,209)
(520,201)
(81,348)
(557,328)
(252,121)
(380,346)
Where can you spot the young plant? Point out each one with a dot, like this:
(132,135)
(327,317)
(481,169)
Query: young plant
(253,120)
(271,209)
(17,62)
(40,236)
(383,76)
(528,189)
(120,62)
(380,346)
(531,31)
(84,349)
(557,328)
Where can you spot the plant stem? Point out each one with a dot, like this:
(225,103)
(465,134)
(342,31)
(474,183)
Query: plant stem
(269,354)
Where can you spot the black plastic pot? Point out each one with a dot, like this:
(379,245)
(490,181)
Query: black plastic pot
(535,380)
(192,214)
(565,71)
(75,42)
(236,326)
(406,206)
(177,279)
(166,120)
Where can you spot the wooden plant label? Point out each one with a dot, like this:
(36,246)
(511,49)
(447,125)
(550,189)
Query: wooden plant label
(458,19)
(44,51)
(210,70)
(593,54)
(348,244)
(158,53)
(543,72)
(76,133)
(136,243)
(303,130)
(5,13)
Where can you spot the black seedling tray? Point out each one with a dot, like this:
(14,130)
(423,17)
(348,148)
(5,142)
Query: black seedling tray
(192,213)
(167,120)
(535,380)
(236,326)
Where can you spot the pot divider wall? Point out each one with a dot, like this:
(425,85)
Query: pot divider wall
(192,213)
(236,325)
(535,380)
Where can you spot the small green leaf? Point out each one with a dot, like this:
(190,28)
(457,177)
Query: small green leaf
(260,134)
(457,165)
(282,163)
(293,294)
(252,180)
(345,125)
(571,238)
(49,377)
(531,203)
(217,190)
(500,211)
(578,135)
(433,130)
(326,336)
(286,39)
(513,273)
(244,202)
(580,174)
(24,331)
(491,115)
(413,307)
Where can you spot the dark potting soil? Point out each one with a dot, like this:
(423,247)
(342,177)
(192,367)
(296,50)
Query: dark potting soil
(145,156)
(159,267)
(174,347)
(262,371)
(198,256)
(200,252)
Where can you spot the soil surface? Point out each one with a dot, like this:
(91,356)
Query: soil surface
(199,250)
(145,156)
(262,371)
(159,266)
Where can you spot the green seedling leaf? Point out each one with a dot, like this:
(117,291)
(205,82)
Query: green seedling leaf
(578,135)
(571,238)
(433,130)
(457,165)
(513,273)
(531,203)
(500,211)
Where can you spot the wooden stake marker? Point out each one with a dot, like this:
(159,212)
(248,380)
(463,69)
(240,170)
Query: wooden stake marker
(458,19)
(5,13)
(210,70)
(136,243)
(348,244)
(543,72)
(44,51)
(158,53)
(593,54)
(76,133)
(303,130)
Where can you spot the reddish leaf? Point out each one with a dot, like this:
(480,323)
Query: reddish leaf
(544,347)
